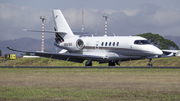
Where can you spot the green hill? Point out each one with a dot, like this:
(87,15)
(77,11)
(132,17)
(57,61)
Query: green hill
(159,41)
(169,61)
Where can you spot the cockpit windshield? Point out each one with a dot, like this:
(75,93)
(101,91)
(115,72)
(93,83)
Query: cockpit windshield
(141,42)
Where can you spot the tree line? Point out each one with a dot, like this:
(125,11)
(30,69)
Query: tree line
(159,41)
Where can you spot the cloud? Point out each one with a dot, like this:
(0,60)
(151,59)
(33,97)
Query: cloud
(109,11)
(152,18)
(166,17)
(94,10)
(13,19)
(146,18)
(131,12)
(90,18)
(25,16)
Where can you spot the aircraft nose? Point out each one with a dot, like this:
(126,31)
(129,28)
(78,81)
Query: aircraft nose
(157,51)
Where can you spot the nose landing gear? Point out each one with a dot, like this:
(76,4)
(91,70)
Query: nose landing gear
(150,64)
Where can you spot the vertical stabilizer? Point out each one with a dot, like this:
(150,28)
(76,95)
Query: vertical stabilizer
(61,24)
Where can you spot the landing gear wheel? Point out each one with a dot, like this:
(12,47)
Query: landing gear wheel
(150,64)
(111,63)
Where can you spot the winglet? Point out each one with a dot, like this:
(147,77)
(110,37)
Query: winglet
(8,48)
(14,49)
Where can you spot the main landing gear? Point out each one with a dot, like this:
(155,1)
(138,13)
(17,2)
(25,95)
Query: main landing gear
(113,63)
(150,64)
(88,63)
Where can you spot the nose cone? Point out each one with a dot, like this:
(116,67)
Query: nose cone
(157,51)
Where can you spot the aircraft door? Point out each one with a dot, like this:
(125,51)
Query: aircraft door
(97,45)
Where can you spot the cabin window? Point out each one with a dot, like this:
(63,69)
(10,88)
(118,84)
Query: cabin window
(117,44)
(109,43)
(106,44)
(102,43)
(113,43)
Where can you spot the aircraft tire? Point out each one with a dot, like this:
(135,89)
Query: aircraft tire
(149,64)
(90,64)
(111,63)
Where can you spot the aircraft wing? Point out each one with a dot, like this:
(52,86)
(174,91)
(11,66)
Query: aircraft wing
(62,56)
(169,53)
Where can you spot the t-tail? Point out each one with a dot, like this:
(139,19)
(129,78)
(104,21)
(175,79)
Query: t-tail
(61,25)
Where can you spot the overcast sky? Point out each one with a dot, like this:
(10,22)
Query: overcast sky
(126,17)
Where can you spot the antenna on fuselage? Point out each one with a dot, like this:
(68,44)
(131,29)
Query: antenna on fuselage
(106,18)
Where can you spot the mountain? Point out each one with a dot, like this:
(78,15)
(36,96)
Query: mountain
(26,43)
(176,39)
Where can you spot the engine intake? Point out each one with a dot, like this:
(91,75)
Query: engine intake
(79,44)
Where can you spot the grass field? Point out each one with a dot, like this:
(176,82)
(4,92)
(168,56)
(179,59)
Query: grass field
(170,61)
(89,84)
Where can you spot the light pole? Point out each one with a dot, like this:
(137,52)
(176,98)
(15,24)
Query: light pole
(106,18)
(42,46)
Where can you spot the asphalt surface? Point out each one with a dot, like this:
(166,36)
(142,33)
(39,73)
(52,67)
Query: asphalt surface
(85,67)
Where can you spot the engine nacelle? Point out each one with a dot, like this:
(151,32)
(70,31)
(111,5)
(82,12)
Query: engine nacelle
(71,44)
(79,44)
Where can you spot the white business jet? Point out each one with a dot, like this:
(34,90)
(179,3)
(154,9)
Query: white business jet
(104,49)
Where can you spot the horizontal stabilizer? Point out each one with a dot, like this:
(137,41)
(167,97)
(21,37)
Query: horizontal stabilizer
(80,32)
(45,31)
